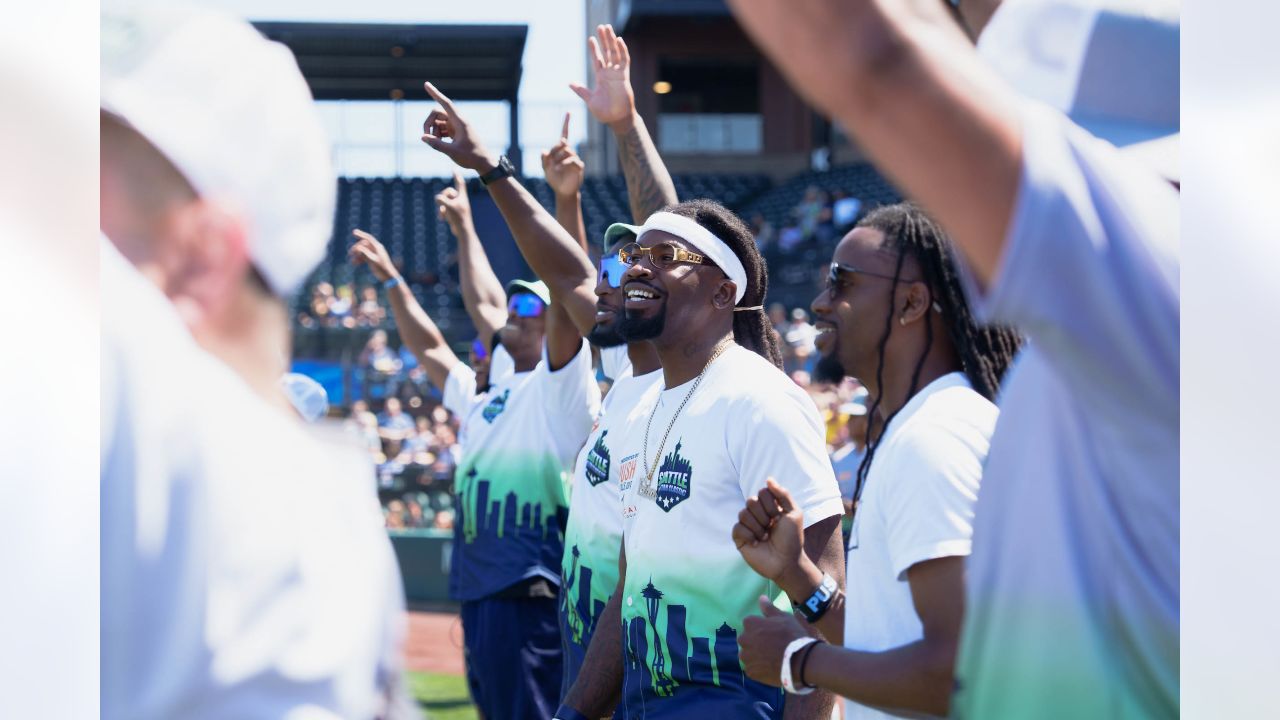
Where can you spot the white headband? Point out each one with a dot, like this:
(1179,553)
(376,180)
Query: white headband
(703,240)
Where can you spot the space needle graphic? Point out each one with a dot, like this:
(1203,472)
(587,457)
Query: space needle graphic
(662,683)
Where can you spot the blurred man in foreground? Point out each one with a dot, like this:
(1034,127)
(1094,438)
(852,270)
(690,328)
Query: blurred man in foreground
(215,605)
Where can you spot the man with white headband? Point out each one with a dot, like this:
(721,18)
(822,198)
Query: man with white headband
(215,605)
(722,421)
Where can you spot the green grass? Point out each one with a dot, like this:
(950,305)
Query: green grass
(442,696)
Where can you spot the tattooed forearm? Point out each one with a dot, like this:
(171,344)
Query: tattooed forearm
(649,185)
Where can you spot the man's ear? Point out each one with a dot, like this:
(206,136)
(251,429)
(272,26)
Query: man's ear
(915,303)
(208,261)
(724,295)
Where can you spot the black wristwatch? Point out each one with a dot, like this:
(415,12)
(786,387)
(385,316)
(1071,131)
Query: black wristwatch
(504,170)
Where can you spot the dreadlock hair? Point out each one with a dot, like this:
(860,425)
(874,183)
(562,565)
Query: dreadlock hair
(985,352)
(751,328)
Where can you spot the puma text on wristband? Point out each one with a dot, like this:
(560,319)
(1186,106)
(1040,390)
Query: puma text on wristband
(816,606)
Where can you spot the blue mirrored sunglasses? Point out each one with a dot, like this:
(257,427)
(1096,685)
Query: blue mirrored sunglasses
(526,305)
(611,269)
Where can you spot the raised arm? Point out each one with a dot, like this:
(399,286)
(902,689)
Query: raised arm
(564,171)
(417,330)
(613,102)
(482,293)
(555,256)
(910,87)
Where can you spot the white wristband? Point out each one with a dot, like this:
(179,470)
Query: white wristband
(787,683)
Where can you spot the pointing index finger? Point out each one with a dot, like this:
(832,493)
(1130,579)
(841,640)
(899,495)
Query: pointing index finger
(443,99)
(564,132)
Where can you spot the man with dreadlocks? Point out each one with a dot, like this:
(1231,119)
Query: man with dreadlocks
(894,315)
(722,420)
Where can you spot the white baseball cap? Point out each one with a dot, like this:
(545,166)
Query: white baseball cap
(234,115)
(1112,66)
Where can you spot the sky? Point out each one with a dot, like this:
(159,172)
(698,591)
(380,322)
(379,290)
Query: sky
(554,56)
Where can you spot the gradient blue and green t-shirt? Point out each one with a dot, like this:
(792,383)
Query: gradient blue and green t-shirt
(518,445)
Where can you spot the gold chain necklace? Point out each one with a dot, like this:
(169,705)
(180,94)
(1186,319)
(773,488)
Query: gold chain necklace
(646,488)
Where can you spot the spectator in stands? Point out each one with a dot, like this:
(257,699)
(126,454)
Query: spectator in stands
(364,425)
(321,298)
(420,441)
(394,423)
(778,318)
(342,304)
(413,514)
(848,456)
(844,212)
(394,515)
(369,313)
(799,338)
(764,233)
(811,211)
(378,365)
(443,520)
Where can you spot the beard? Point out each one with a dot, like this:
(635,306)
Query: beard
(828,370)
(635,329)
(606,336)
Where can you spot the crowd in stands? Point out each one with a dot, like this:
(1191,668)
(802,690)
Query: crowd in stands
(818,221)
(338,307)
(415,451)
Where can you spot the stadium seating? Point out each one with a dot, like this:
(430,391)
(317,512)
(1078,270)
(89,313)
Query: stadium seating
(401,213)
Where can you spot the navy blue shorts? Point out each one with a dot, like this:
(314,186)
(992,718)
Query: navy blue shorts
(513,656)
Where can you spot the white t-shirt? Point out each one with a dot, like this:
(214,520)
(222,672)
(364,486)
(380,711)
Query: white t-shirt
(916,505)
(615,362)
(686,582)
(245,569)
(519,441)
(501,366)
(594,532)
(1073,600)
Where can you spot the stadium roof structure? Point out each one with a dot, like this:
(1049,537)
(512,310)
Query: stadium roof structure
(359,61)
(364,61)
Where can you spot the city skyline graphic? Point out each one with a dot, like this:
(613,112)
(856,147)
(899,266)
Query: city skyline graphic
(597,465)
(674,476)
(481,515)
(657,665)
(583,614)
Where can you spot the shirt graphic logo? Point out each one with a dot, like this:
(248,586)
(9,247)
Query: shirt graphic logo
(627,472)
(598,461)
(674,476)
(495,407)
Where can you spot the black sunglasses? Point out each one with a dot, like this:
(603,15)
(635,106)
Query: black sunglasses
(837,271)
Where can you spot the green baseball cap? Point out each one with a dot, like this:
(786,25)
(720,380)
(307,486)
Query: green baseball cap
(536,287)
(617,230)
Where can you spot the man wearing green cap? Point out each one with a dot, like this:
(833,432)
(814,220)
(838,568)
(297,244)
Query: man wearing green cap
(519,440)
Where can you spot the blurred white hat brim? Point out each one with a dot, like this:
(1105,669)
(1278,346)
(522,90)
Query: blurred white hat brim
(232,112)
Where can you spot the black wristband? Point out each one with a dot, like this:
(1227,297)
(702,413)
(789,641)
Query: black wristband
(504,169)
(816,606)
(800,681)
(564,712)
